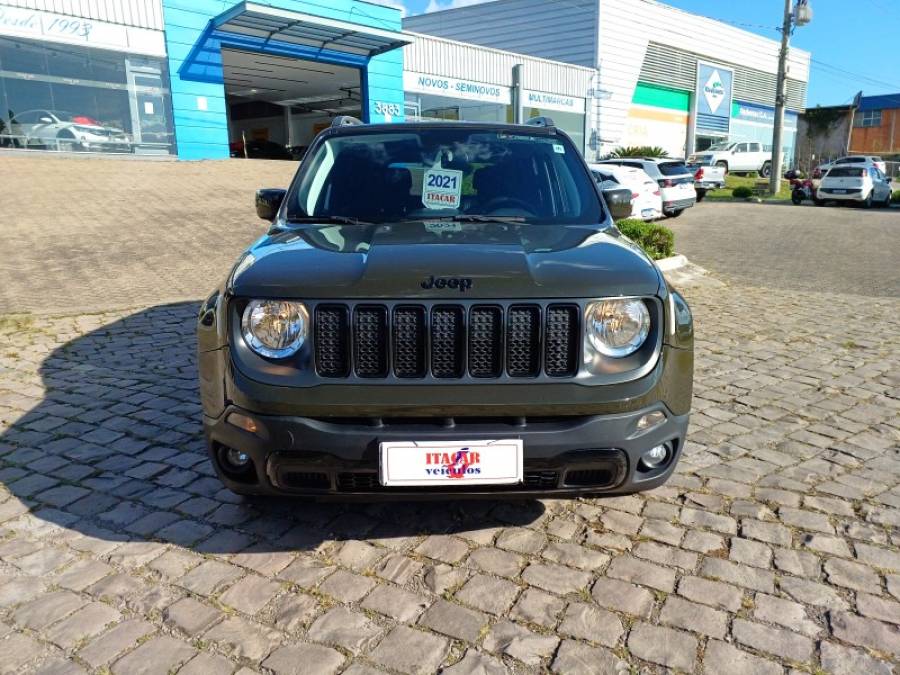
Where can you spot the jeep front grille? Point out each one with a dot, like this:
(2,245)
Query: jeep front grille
(446,341)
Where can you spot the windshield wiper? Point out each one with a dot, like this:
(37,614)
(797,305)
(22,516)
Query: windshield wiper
(328,220)
(478,218)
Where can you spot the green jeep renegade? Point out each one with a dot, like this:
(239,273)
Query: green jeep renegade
(443,310)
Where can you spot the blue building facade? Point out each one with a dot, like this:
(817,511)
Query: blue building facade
(346,33)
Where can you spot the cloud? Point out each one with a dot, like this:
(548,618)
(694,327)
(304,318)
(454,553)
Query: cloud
(438,5)
(395,4)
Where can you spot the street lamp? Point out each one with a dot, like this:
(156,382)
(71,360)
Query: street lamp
(800,16)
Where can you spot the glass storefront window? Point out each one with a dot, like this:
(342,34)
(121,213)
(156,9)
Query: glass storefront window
(570,122)
(68,98)
(428,107)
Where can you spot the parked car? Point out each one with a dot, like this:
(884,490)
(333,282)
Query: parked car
(675,180)
(707,175)
(865,185)
(862,160)
(60,130)
(645,192)
(258,149)
(443,309)
(744,156)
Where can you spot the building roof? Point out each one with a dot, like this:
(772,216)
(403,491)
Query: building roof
(880,102)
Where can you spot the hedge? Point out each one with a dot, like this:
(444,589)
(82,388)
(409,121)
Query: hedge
(741,192)
(896,197)
(657,240)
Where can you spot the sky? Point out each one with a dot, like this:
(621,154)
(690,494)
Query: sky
(854,45)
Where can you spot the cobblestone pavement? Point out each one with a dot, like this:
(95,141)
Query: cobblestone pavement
(774,546)
(836,249)
(98,233)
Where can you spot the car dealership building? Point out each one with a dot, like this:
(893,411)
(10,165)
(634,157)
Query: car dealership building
(208,78)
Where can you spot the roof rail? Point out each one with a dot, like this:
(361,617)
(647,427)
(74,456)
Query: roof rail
(345,121)
(541,122)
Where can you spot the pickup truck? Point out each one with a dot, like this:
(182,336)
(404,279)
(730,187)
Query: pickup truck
(707,176)
(739,157)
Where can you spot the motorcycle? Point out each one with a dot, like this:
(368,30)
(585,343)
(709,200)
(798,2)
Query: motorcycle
(802,189)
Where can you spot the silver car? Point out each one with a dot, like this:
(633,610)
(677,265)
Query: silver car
(60,130)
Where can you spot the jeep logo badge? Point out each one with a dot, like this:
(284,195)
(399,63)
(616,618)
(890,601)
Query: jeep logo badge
(462,283)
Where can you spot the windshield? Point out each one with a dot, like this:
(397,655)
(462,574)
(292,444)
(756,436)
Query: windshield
(673,168)
(414,174)
(721,146)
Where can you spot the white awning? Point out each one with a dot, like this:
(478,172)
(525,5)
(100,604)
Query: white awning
(271,23)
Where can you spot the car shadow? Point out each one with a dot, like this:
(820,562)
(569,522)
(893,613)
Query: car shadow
(113,449)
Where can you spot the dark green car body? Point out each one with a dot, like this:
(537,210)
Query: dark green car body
(320,417)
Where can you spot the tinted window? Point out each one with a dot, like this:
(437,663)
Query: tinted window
(600,175)
(415,173)
(673,168)
(846,172)
(850,160)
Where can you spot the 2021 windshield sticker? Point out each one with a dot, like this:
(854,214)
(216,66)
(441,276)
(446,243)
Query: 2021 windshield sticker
(441,188)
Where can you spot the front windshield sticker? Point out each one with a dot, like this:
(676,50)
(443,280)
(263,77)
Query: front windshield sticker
(441,188)
(559,148)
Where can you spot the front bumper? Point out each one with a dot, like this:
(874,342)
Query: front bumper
(339,457)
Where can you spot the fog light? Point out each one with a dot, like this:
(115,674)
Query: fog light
(243,422)
(655,456)
(650,420)
(238,459)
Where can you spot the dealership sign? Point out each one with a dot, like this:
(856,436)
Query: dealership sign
(761,115)
(713,97)
(50,27)
(545,101)
(422,83)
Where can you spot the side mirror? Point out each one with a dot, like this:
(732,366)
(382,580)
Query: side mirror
(618,201)
(268,201)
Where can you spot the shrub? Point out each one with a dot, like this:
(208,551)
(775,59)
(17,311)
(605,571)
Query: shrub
(657,240)
(639,151)
(896,197)
(741,192)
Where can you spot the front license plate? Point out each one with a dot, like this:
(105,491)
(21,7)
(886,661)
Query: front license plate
(414,463)
(840,192)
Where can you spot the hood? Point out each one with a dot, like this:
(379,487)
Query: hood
(444,260)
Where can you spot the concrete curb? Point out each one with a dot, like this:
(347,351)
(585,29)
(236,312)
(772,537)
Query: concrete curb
(671,263)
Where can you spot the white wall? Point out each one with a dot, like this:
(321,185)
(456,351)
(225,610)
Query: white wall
(626,28)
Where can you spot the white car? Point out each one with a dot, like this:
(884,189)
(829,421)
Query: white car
(646,198)
(865,185)
(675,180)
(859,160)
(59,130)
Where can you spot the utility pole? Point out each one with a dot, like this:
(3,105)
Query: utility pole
(800,17)
(781,86)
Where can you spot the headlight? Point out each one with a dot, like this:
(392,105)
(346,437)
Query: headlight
(275,328)
(617,328)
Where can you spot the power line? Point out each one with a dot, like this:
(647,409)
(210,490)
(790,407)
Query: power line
(850,75)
